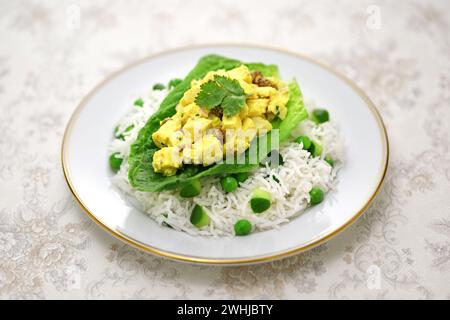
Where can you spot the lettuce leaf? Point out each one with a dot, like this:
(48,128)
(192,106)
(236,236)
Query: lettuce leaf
(141,174)
(268,70)
(296,111)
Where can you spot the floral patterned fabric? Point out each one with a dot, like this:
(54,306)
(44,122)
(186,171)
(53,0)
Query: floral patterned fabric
(53,52)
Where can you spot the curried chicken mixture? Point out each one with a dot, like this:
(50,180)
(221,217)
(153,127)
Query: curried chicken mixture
(220,114)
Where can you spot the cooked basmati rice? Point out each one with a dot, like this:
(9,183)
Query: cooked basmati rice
(288,184)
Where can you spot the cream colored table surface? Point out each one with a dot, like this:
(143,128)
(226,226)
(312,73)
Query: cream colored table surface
(53,52)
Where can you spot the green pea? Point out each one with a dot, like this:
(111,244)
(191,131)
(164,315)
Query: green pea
(199,217)
(316,195)
(229,184)
(241,176)
(139,103)
(260,200)
(115,162)
(159,86)
(320,115)
(305,140)
(329,160)
(173,83)
(191,189)
(315,149)
(242,227)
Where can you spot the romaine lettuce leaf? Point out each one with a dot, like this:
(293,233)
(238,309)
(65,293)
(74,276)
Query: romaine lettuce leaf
(140,172)
(268,70)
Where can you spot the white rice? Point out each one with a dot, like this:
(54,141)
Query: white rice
(299,173)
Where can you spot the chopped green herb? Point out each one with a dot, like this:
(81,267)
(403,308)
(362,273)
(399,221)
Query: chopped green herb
(158,86)
(121,135)
(139,103)
(329,160)
(165,223)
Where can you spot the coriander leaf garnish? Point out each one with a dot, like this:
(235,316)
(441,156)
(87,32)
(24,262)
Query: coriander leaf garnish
(232,104)
(210,95)
(224,92)
(230,85)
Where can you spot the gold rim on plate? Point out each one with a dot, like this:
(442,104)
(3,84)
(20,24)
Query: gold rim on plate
(313,243)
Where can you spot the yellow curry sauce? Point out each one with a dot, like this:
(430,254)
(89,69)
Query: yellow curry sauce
(196,135)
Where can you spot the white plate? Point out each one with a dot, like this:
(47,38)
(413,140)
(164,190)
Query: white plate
(88,134)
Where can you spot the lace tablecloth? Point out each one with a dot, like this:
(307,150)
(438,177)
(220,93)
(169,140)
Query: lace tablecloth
(53,52)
